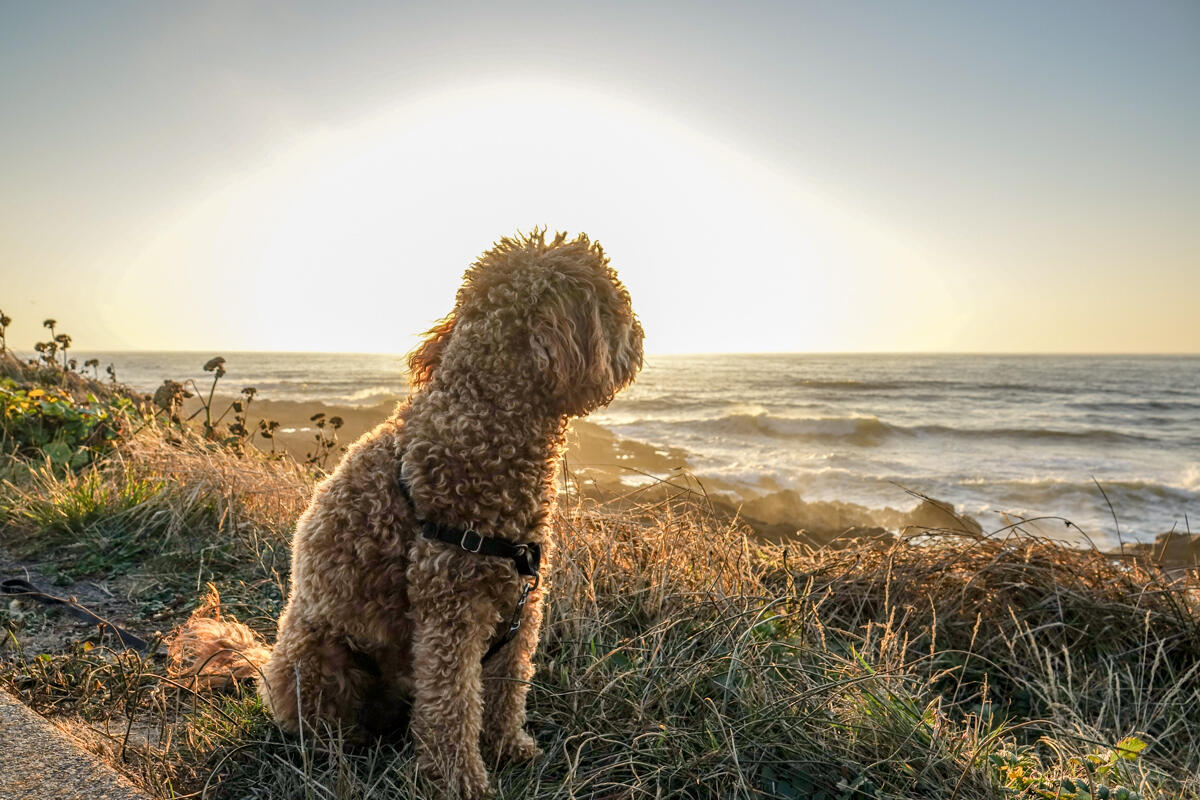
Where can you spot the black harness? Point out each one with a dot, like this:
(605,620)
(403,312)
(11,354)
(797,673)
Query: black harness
(526,557)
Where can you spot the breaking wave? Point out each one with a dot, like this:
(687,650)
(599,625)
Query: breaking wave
(867,431)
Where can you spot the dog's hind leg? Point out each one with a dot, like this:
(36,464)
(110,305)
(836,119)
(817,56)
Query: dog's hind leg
(314,678)
(448,642)
(505,685)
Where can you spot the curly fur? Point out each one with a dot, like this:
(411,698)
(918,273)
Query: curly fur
(378,616)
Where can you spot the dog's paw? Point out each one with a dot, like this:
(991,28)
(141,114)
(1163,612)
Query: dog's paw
(472,785)
(467,782)
(516,748)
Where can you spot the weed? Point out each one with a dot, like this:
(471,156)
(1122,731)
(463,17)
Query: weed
(64,344)
(326,441)
(48,352)
(266,430)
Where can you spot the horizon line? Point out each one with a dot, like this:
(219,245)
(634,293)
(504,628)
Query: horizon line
(212,352)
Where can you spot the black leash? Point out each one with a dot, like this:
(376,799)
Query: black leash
(16,587)
(526,557)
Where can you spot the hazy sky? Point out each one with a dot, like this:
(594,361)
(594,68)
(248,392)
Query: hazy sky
(1016,176)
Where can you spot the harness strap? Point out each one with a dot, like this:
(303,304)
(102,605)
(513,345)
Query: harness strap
(526,557)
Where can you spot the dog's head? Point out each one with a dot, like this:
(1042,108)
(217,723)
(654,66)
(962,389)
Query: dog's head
(539,316)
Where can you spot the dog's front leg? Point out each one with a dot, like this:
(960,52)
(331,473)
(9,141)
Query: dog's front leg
(448,643)
(505,686)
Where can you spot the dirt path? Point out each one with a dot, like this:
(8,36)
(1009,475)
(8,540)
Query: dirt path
(38,628)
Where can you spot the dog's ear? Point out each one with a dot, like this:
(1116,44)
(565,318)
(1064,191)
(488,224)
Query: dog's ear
(423,361)
(571,349)
(627,352)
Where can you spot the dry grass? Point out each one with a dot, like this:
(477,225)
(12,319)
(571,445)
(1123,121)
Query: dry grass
(680,657)
(1114,643)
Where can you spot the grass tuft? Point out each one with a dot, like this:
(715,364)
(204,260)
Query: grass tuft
(681,657)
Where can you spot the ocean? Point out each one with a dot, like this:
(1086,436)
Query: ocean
(1002,438)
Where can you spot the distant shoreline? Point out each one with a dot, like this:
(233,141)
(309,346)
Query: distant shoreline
(610,468)
(826,444)
(209,353)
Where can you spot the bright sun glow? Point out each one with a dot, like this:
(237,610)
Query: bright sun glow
(354,239)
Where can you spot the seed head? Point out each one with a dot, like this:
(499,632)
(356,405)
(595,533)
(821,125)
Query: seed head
(216,364)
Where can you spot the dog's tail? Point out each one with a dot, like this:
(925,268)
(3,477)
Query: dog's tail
(213,652)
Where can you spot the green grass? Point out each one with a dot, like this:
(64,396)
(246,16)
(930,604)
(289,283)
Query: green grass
(180,515)
(99,524)
(680,658)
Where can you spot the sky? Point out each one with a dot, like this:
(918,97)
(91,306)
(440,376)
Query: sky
(766,177)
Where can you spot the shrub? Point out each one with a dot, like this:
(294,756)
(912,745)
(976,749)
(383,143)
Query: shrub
(50,423)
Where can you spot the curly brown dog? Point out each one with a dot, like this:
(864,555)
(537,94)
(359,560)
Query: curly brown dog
(380,612)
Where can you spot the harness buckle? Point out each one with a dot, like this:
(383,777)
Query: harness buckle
(527,559)
(478,541)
